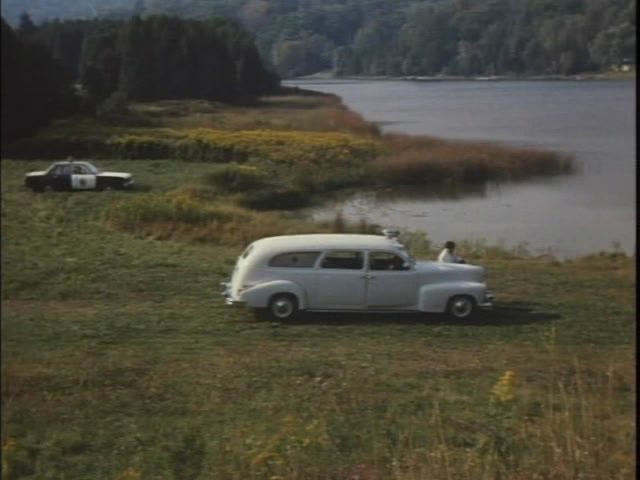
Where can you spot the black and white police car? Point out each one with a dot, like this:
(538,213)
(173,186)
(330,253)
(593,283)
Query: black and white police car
(73,175)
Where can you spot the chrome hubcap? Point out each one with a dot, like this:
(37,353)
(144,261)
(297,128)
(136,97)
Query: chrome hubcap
(282,308)
(461,307)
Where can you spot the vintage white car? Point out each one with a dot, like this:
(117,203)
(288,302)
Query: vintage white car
(351,272)
(73,175)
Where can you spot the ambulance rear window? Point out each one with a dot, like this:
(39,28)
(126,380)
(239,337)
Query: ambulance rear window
(295,260)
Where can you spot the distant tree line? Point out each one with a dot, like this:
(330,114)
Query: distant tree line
(110,62)
(454,37)
(35,87)
(406,37)
(157,57)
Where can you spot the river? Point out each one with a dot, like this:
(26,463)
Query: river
(595,121)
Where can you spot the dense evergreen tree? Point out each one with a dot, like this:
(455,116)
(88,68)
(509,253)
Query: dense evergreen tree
(99,60)
(34,87)
(157,57)
(137,75)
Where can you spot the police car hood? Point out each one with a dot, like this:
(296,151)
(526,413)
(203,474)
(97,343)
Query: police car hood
(39,173)
(114,174)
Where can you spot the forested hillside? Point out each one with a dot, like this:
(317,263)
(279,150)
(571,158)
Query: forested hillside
(403,37)
(35,87)
(157,57)
(102,64)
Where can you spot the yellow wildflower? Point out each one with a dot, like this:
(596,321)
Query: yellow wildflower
(289,420)
(9,445)
(502,391)
(130,474)
(263,458)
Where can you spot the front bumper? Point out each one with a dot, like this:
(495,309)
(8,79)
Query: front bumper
(487,302)
(226,293)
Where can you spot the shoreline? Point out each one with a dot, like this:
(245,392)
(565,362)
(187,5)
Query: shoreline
(608,76)
(613,245)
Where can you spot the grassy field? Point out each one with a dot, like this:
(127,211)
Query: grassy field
(121,361)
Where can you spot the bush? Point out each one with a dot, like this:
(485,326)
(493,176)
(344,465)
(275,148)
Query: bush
(191,213)
(172,207)
(234,178)
(277,198)
(257,189)
(141,146)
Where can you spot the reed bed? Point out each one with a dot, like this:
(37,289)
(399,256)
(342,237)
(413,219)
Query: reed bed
(418,161)
(308,112)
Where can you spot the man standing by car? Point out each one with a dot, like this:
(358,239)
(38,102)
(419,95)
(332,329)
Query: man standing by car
(447,255)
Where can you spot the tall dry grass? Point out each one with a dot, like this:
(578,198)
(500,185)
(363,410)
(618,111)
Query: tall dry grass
(571,430)
(193,213)
(408,160)
(281,112)
(199,213)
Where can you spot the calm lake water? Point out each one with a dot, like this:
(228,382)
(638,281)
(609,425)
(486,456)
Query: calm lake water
(583,213)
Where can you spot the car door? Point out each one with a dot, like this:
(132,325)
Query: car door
(60,177)
(391,281)
(341,282)
(82,178)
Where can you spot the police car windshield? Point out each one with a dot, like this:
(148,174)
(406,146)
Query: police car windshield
(90,167)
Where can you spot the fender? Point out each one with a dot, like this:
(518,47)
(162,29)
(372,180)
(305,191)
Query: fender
(434,298)
(258,296)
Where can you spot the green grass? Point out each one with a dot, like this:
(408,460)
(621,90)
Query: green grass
(121,361)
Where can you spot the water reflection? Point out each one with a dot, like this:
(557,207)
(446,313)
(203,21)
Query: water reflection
(574,215)
(367,200)
(432,192)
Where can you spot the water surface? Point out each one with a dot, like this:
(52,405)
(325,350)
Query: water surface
(579,214)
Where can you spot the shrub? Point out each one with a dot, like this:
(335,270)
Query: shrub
(233,178)
(193,213)
(275,198)
(150,146)
(180,207)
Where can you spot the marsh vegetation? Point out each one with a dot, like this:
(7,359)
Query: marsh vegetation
(287,153)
